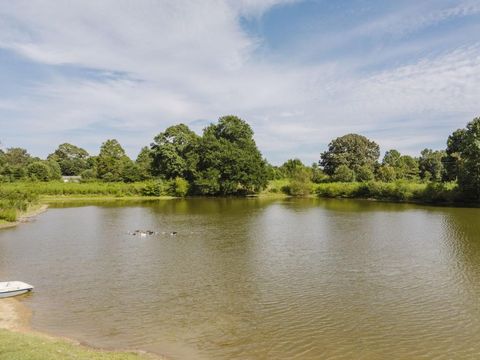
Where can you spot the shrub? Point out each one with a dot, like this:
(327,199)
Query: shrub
(152,188)
(179,187)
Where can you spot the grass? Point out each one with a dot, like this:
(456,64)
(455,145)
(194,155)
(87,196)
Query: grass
(395,191)
(14,202)
(19,346)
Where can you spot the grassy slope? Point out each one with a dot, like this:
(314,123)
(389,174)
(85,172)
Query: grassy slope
(21,346)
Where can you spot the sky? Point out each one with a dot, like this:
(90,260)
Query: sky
(405,73)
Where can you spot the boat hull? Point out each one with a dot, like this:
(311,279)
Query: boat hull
(12,293)
(14,288)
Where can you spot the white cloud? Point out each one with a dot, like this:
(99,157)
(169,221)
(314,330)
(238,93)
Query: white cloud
(186,60)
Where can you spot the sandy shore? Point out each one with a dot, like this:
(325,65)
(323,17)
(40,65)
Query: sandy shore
(14,315)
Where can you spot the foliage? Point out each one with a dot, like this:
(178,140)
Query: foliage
(318,175)
(71,159)
(144,163)
(343,174)
(13,201)
(386,173)
(452,159)
(174,153)
(396,191)
(291,167)
(38,170)
(469,164)
(430,165)
(300,184)
(229,161)
(112,163)
(179,187)
(153,188)
(405,167)
(365,173)
(351,151)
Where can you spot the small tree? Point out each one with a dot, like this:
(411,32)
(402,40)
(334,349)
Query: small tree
(38,171)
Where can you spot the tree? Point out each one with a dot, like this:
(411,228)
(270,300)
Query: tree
(392,158)
(17,157)
(174,153)
(343,174)
(430,165)
(144,163)
(469,161)
(386,173)
(300,184)
(72,159)
(407,168)
(352,151)
(318,175)
(291,167)
(364,173)
(229,160)
(112,161)
(452,159)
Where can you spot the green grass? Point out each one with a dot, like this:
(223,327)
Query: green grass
(14,202)
(19,346)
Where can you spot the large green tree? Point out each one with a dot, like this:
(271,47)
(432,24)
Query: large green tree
(112,164)
(452,159)
(229,160)
(352,151)
(144,163)
(174,153)
(430,165)
(469,161)
(72,159)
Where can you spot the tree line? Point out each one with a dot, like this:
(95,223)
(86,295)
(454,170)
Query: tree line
(225,160)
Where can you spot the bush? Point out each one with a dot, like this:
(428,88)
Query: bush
(179,187)
(152,188)
(38,171)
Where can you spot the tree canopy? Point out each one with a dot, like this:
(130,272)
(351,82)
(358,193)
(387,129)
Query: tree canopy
(174,153)
(352,151)
(72,159)
(229,160)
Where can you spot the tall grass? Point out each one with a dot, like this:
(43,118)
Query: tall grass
(13,201)
(117,189)
(396,191)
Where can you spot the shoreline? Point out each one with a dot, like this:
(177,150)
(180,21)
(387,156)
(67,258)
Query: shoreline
(32,212)
(15,325)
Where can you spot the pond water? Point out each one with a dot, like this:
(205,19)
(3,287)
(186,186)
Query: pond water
(255,278)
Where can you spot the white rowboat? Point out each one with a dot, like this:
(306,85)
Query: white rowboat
(14,288)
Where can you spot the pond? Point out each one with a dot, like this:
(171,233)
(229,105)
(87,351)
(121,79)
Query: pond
(254,278)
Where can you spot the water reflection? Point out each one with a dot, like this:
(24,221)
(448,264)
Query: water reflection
(254,278)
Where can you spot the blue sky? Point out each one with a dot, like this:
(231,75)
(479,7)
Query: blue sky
(404,73)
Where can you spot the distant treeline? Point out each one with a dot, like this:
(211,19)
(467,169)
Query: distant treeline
(225,160)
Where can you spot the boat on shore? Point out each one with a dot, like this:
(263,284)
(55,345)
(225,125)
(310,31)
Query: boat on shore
(14,288)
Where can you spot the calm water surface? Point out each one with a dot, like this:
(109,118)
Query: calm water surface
(255,279)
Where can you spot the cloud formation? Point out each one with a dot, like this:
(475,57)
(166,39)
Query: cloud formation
(128,69)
